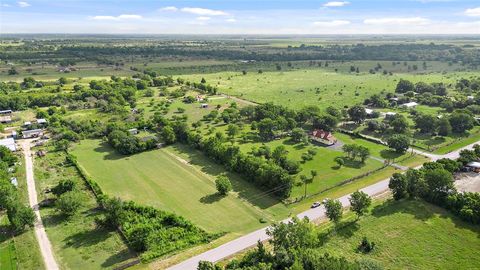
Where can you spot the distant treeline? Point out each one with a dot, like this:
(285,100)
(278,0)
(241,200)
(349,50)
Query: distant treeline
(104,54)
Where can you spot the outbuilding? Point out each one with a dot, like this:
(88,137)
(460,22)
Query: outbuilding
(133,131)
(410,105)
(9,143)
(41,121)
(474,166)
(34,133)
(204,105)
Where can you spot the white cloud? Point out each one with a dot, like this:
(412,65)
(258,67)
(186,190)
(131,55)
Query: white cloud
(203,18)
(23,4)
(129,16)
(169,8)
(474,12)
(204,11)
(333,23)
(336,4)
(117,18)
(231,20)
(398,21)
(6,5)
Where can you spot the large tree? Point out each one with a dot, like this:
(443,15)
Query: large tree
(398,184)
(359,203)
(399,143)
(425,123)
(404,86)
(461,122)
(334,210)
(357,113)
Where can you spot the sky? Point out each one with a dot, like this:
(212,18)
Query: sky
(241,16)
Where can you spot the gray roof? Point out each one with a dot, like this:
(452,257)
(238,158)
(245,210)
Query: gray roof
(9,143)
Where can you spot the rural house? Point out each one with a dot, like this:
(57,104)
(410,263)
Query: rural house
(323,137)
(410,105)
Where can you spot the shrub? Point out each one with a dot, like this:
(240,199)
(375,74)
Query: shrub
(223,184)
(69,203)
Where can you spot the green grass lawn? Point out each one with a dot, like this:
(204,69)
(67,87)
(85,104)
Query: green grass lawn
(409,235)
(179,180)
(76,241)
(329,174)
(8,255)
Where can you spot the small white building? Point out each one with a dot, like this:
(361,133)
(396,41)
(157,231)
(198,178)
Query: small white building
(390,114)
(28,123)
(470,97)
(6,112)
(41,121)
(369,111)
(9,143)
(410,105)
(34,133)
(133,131)
(204,105)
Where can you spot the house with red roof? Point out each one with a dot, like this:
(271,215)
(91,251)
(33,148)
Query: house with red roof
(323,137)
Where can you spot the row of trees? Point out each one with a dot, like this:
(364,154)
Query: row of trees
(268,173)
(19,215)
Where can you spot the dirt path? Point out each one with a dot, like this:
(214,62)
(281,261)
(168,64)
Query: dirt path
(43,242)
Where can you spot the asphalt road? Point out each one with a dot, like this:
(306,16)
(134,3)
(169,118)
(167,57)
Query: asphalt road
(228,249)
(42,238)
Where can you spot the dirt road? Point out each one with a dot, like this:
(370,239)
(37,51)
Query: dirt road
(43,242)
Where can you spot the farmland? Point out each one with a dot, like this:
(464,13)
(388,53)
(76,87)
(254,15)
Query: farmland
(318,87)
(156,150)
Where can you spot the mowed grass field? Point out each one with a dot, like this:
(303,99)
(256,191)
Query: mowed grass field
(298,88)
(409,235)
(179,180)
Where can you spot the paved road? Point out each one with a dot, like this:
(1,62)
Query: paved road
(43,242)
(251,239)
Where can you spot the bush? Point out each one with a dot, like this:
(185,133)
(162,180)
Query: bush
(69,203)
(366,246)
(223,185)
(63,186)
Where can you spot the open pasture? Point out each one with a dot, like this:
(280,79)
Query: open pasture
(179,183)
(299,88)
(408,235)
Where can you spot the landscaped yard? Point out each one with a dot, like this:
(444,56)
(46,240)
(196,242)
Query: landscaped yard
(164,178)
(410,235)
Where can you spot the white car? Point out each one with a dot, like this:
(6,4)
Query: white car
(315,204)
